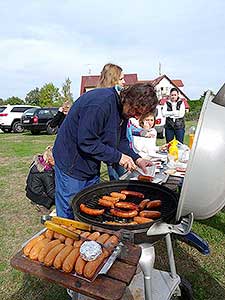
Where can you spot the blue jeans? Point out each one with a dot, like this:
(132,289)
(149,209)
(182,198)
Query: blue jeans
(66,187)
(115,171)
(171,133)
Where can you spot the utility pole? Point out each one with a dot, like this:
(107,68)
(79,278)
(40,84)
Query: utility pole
(160,69)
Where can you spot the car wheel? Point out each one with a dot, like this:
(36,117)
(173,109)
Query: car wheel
(186,291)
(17,127)
(35,131)
(51,130)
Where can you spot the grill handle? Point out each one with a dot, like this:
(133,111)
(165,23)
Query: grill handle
(183,228)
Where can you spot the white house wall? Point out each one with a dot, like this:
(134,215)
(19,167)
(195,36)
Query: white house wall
(163,88)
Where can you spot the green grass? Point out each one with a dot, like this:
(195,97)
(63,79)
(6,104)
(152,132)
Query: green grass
(19,220)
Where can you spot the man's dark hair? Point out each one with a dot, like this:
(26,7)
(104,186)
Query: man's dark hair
(141,98)
(174,90)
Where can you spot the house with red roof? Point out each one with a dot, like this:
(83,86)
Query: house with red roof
(162,85)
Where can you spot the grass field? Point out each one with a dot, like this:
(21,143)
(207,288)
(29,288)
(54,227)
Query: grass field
(19,220)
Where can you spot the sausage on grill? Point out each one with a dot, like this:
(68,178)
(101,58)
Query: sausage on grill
(126,205)
(142,220)
(133,193)
(143,204)
(91,211)
(112,199)
(150,214)
(153,204)
(105,203)
(123,214)
(118,195)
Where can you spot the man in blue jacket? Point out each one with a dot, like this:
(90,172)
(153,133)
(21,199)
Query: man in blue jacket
(94,131)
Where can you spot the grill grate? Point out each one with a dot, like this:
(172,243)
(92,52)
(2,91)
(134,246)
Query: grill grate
(152,191)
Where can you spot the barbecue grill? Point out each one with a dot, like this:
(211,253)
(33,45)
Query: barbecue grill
(202,196)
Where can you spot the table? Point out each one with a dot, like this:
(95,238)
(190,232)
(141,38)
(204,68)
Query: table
(116,280)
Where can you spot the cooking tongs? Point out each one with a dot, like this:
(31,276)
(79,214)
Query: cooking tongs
(53,223)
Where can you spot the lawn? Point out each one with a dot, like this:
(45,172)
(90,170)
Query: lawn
(19,220)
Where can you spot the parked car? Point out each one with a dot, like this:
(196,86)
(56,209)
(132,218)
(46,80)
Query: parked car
(10,117)
(38,119)
(160,121)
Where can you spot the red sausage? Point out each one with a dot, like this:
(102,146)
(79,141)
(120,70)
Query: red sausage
(142,220)
(143,204)
(126,205)
(91,211)
(154,203)
(150,214)
(105,203)
(145,178)
(133,193)
(123,214)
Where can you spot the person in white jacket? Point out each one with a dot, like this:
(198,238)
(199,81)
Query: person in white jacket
(145,145)
(174,111)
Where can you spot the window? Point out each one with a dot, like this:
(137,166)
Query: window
(2,108)
(44,113)
(19,109)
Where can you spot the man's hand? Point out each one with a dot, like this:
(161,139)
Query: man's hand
(143,163)
(127,162)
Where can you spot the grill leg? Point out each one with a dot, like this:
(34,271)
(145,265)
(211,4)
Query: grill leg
(146,262)
(74,295)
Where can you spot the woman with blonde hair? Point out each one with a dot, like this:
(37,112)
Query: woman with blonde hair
(40,188)
(111,75)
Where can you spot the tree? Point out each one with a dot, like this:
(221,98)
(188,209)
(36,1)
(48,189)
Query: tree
(66,91)
(14,100)
(33,97)
(49,95)
(2,101)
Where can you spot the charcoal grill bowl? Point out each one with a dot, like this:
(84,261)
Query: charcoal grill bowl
(89,196)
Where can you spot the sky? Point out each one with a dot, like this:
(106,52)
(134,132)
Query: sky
(47,41)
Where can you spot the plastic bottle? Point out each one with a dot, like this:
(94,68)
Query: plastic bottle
(191,136)
(173,149)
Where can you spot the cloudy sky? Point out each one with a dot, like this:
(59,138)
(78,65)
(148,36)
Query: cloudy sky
(46,41)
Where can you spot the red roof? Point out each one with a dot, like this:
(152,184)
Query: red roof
(178,82)
(91,81)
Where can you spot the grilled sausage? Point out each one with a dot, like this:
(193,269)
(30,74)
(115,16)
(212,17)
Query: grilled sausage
(31,244)
(37,248)
(150,214)
(49,234)
(143,204)
(48,261)
(70,260)
(126,205)
(123,214)
(59,236)
(61,256)
(133,194)
(118,195)
(92,266)
(145,178)
(111,243)
(142,220)
(44,251)
(103,238)
(105,203)
(153,204)
(83,235)
(69,241)
(112,199)
(79,265)
(94,236)
(91,211)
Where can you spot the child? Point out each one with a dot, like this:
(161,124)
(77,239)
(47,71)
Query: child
(145,145)
(40,187)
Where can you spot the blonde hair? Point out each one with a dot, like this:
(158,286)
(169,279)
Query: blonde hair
(110,76)
(47,155)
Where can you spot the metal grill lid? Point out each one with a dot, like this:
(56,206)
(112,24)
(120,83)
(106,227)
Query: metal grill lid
(203,191)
